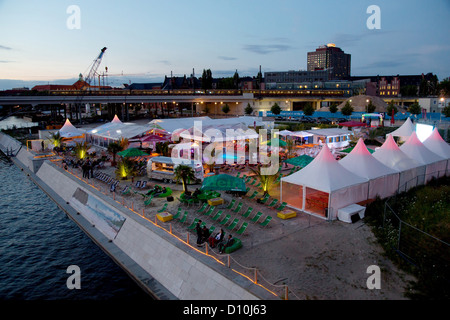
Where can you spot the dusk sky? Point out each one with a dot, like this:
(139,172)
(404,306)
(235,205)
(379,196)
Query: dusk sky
(149,39)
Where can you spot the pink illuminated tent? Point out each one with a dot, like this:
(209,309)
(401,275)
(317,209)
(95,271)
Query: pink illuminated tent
(383,181)
(411,172)
(323,187)
(435,165)
(437,145)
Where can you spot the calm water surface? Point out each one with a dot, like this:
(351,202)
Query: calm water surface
(38,243)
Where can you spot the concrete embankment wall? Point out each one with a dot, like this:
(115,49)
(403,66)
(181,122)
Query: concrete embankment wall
(162,264)
(187,274)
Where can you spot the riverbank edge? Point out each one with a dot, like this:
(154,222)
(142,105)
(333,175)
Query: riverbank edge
(142,277)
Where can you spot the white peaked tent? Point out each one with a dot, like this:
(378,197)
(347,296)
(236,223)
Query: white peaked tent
(411,172)
(113,131)
(323,187)
(435,165)
(383,181)
(437,145)
(405,130)
(116,119)
(69,131)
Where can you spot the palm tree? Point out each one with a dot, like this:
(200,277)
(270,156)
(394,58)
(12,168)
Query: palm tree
(81,149)
(267,181)
(185,174)
(124,143)
(125,168)
(56,139)
(290,145)
(114,148)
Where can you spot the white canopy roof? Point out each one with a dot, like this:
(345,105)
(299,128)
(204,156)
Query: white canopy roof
(361,162)
(302,134)
(437,145)
(220,132)
(416,150)
(405,130)
(173,124)
(324,173)
(329,132)
(117,129)
(69,131)
(391,155)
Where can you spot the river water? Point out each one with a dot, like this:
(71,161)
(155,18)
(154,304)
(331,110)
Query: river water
(38,243)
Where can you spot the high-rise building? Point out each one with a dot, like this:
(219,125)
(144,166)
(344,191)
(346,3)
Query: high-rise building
(331,58)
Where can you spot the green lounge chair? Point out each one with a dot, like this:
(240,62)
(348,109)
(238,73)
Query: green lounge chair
(238,174)
(258,185)
(231,204)
(203,208)
(266,221)
(192,226)
(211,229)
(282,206)
(148,201)
(177,215)
(253,195)
(273,203)
(248,212)
(242,228)
(233,224)
(238,208)
(166,194)
(225,220)
(218,215)
(210,211)
(266,197)
(184,218)
(256,217)
(253,182)
(163,208)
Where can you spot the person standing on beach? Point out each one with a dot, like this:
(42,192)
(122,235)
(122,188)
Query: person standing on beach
(198,229)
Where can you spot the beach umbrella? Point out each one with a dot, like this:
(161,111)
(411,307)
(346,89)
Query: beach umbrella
(301,161)
(132,152)
(223,182)
(281,143)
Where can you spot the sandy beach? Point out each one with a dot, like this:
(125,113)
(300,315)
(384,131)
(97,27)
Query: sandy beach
(314,258)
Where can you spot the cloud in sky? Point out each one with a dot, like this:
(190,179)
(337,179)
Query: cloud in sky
(5,47)
(266,48)
(227,58)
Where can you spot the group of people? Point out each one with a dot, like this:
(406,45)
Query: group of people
(157,190)
(216,240)
(87,168)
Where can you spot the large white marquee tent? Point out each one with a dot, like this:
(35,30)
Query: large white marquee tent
(323,187)
(68,130)
(383,181)
(405,130)
(435,165)
(437,145)
(115,130)
(412,173)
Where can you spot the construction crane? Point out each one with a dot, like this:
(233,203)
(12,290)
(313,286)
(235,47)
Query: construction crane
(93,71)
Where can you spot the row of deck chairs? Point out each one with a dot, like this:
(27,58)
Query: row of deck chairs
(106,178)
(140,184)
